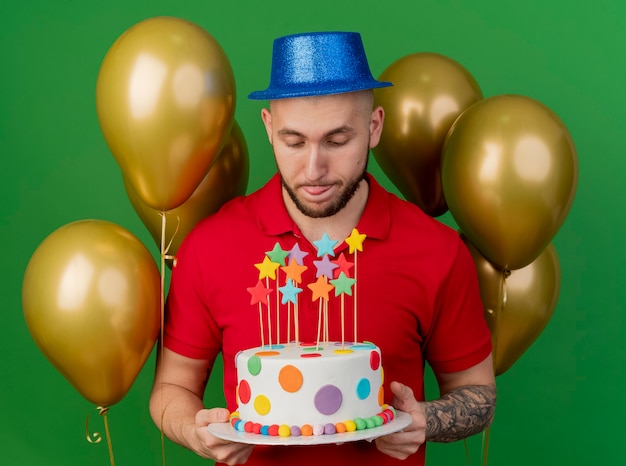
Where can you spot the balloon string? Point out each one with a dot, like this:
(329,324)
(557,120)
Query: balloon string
(164,256)
(96,437)
(501,305)
(486,435)
(162,304)
(467,454)
(165,249)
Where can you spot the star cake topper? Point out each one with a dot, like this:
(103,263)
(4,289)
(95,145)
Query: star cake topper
(277,254)
(355,241)
(325,246)
(343,284)
(259,293)
(320,289)
(289,292)
(294,271)
(267,268)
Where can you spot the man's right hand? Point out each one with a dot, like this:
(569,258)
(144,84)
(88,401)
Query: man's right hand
(209,446)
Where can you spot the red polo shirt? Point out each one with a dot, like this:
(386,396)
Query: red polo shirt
(417,299)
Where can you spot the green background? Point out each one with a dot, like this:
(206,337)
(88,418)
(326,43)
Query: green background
(561,403)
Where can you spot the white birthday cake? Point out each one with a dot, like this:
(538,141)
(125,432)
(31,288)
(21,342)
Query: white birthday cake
(321,388)
(310,389)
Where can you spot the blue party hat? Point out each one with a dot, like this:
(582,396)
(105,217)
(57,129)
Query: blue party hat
(318,63)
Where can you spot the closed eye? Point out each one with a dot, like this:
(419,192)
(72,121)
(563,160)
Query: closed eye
(337,142)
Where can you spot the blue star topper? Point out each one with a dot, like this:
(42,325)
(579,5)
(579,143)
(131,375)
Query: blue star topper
(289,292)
(325,246)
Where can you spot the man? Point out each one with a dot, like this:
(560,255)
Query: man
(418,291)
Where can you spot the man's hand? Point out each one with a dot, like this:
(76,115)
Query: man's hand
(177,409)
(209,446)
(402,444)
(465,407)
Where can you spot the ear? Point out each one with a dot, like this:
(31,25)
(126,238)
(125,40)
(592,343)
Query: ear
(376,125)
(266,116)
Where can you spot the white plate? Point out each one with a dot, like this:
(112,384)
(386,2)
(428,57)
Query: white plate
(226,432)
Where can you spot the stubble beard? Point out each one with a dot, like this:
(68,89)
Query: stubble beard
(345,195)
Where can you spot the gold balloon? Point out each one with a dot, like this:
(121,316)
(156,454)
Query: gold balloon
(517,307)
(227,178)
(91,300)
(429,92)
(509,173)
(165,102)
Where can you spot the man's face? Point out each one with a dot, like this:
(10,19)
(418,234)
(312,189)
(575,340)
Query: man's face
(321,146)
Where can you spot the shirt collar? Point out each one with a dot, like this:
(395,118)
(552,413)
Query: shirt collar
(376,219)
(272,214)
(274,219)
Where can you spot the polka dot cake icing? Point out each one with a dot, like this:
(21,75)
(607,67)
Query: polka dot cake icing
(310,389)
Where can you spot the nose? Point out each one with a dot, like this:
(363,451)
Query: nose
(316,163)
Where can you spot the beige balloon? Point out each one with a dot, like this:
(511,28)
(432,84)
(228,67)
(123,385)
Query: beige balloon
(91,300)
(429,92)
(226,179)
(509,173)
(165,100)
(517,306)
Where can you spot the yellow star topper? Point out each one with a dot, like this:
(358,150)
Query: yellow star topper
(267,268)
(355,241)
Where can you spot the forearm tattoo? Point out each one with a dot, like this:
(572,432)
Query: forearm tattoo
(460,413)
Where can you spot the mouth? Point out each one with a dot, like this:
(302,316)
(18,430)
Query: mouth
(315,191)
